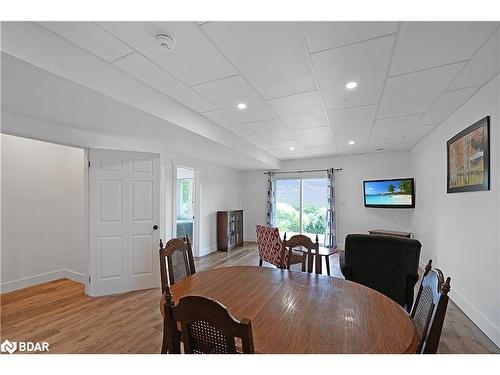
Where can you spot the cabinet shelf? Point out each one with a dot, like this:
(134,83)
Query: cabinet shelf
(229,229)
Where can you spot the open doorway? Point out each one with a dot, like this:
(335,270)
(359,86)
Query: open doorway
(44,235)
(185,203)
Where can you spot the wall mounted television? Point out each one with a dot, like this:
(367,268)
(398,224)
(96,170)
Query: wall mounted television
(393,193)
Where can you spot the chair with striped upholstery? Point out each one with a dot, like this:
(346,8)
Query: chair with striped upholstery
(271,248)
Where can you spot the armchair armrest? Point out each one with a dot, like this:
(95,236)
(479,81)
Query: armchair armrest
(345,269)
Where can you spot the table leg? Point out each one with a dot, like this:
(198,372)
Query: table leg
(327,260)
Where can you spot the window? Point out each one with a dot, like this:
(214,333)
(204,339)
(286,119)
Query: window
(301,206)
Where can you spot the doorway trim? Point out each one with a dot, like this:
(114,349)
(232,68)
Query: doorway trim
(196,207)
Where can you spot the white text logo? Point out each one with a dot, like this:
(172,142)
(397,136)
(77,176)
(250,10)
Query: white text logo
(24,346)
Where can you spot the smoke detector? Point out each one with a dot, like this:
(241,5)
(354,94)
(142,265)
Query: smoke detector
(165,41)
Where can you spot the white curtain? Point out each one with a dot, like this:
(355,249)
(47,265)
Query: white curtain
(331,222)
(271,209)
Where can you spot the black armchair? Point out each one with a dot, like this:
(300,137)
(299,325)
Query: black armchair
(387,264)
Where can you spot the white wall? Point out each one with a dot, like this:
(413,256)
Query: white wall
(460,231)
(352,216)
(217,189)
(42,213)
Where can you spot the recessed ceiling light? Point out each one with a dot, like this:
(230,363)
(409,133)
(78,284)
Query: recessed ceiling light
(351,142)
(242,106)
(351,85)
(291,148)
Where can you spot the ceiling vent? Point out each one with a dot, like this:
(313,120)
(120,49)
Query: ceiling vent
(165,41)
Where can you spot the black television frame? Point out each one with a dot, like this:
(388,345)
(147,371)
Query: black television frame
(412,180)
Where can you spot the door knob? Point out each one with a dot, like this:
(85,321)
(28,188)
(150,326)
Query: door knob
(155,227)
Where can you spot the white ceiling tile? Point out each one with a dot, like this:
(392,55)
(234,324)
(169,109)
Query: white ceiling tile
(272,130)
(299,149)
(352,120)
(366,63)
(423,45)
(416,135)
(325,150)
(143,69)
(301,110)
(404,146)
(446,105)
(484,65)
(315,136)
(228,92)
(270,55)
(192,60)
(324,35)
(384,144)
(228,122)
(259,142)
(91,37)
(278,153)
(343,146)
(415,92)
(394,127)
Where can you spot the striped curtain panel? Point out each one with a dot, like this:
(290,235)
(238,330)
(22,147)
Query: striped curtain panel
(331,222)
(271,212)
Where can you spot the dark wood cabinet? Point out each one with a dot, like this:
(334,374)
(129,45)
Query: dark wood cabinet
(229,229)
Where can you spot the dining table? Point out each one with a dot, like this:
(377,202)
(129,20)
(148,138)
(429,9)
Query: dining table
(299,313)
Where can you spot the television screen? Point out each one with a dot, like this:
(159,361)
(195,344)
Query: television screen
(394,193)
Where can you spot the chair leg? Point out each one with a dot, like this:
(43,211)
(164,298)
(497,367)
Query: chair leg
(260,262)
(327,261)
(164,343)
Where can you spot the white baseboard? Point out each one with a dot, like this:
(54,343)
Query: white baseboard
(207,250)
(76,276)
(484,324)
(26,282)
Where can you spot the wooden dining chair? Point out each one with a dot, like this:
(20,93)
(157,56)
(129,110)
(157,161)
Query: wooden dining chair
(206,327)
(176,261)
(308,256)
(429,310)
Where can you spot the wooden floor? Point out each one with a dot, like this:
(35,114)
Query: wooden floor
(60,313)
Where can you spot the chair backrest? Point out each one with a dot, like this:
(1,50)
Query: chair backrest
(207,327)
(310,255)
(176,261)
(270,245)
(387,264)
(429,309)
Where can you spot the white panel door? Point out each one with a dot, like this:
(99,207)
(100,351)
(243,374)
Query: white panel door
(124,209)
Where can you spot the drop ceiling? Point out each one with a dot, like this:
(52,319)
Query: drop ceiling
(291,75)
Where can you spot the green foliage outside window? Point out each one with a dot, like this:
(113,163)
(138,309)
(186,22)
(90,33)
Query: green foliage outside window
(313,219)
(185,191)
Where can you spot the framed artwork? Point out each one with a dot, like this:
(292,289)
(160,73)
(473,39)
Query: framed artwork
(469,158)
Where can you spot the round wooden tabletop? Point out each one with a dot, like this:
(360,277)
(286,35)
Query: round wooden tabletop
(298,312)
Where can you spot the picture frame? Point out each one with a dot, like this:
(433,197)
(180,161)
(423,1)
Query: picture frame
(468,158)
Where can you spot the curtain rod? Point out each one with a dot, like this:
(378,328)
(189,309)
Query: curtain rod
(307,170)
